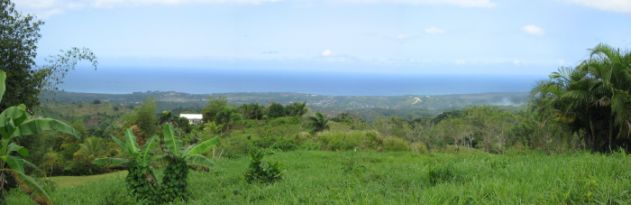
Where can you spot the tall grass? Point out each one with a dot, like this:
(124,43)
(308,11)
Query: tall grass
(317,177)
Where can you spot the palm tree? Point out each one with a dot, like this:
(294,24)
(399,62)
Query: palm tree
(90,149)
(593,98)
(16,122)
(318,123)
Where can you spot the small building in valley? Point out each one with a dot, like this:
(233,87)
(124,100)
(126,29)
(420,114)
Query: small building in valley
(193,118)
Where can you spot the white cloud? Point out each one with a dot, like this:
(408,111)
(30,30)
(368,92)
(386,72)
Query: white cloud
(533,30)
(460,3)
(111,3)
(44,8)
(517,62)
(326,53)
(36,4)
(47,7)
(402,36)
(623,6)
(434,30)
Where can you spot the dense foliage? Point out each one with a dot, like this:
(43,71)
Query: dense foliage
(593,100)
(141,179)
(18,49)
(15,123)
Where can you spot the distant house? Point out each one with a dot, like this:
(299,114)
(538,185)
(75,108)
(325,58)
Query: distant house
(193,118)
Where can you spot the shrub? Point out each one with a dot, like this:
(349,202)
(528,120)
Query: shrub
(262,172)
(395,144)
(350,140)
(174,185)
(336,140)
(419,148)
(235,146)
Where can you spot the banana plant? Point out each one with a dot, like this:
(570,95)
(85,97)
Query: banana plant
(174,181)
(16,122)
(141,179)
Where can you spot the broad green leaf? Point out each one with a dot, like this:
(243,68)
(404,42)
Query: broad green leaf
(41,125)
(170,140)
(29,181)
(110,161)
(3,79)
(199,160)
(19,149)
(120,143)
(16,164)
(203,147)
(149,147)
(17,114)
(131,142)
(33,166)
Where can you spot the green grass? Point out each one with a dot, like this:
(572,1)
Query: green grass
(317,177)
(73,181)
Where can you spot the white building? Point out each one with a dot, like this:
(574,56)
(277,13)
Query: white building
(193,118)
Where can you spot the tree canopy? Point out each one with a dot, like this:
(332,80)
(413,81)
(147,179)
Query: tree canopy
(18,49)
(592,99)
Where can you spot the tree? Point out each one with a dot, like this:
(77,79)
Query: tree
(252,111)
(146,119)
(275,110)
(214,106)
(318,123)
(165,117)
(16,122)
(296,109)
(226,118)
(592,99)
(18,49)
(90,149)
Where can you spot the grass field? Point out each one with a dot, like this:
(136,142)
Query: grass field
(316,177)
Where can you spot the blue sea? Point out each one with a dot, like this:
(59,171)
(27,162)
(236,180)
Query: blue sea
(207,81)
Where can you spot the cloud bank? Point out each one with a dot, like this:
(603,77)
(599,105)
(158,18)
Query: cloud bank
(623,6)
(46,8)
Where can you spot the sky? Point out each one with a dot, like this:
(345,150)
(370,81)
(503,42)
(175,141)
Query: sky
(405,37)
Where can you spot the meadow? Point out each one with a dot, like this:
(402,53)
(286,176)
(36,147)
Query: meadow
(323,177)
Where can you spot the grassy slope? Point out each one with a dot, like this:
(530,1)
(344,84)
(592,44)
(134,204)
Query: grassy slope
(73,181)
(315,177)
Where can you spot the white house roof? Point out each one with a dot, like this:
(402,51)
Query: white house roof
(192,116)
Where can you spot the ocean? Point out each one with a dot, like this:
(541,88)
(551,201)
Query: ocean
(207,81)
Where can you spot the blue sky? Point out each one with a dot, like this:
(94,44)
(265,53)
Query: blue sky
(357,36)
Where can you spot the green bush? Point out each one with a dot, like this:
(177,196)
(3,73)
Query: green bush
(363,140)
(419,148)
(337,140)
(395,144)
(277,142)
(235,146)
(262,172)
(174,186)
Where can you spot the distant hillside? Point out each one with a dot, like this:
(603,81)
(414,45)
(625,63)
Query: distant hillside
(172,100)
